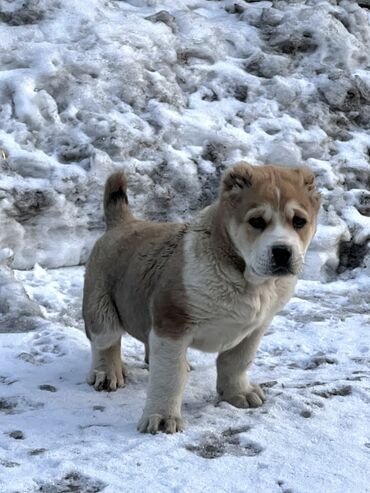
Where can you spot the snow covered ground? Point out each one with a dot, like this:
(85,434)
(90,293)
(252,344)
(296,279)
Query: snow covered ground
(58,435)
(174,92)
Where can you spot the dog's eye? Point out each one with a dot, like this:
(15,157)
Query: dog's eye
(257,223)
(299,222)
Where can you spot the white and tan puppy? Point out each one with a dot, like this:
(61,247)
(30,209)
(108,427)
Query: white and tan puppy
(214,284)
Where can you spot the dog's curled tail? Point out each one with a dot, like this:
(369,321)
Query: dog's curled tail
(116,208)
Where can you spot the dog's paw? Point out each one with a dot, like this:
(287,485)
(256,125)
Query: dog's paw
(253,397)
(110,380)
(155,423)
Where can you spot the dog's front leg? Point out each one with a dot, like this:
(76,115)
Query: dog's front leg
(167,378)
(233,384)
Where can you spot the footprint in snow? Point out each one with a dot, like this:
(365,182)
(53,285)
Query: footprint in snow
(17,405)
(213,446)
(341,391)
(72,482)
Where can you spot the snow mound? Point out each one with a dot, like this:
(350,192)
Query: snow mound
(174,92)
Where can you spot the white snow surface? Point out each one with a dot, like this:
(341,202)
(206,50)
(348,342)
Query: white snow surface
(174,92)
(57,433)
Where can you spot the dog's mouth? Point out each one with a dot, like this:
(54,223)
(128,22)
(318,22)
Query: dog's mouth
(282,271)
(273,271)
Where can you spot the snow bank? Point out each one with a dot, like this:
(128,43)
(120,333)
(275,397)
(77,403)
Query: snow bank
(174,92)
(18,312)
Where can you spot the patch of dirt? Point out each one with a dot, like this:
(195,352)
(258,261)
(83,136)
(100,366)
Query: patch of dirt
(8,463)
(306,413)
(14,405)
(73,482)
(22,17)
(269,385)
(339,391)
(351,255)
(212,446)
(235,431)
(99,408)
(17,435)
(309,384)
(7,380)
(37,451)
(8,406)
(47,387)
(319,360)
(30,203)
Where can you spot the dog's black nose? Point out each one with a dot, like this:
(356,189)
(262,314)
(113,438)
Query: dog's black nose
(281,255)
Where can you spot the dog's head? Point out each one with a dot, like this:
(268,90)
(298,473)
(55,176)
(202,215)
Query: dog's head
(270,214)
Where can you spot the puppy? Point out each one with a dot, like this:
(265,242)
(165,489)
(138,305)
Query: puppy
(214,284)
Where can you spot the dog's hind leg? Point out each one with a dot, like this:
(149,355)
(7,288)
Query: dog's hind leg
(107,370)
(104,330)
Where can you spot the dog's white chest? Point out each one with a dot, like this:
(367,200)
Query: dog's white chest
(220,323)
(223,314)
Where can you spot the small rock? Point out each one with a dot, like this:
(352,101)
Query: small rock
(236,8)
(37,451)
(98,408)
(235,431)
(17,435)
(47,387)
(306,413)
(165,17)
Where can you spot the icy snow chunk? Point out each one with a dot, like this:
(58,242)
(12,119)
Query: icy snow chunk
(283,153)
(18,312)
(362,80)
(340,91)
(322,257)
(32,165)
(360,224)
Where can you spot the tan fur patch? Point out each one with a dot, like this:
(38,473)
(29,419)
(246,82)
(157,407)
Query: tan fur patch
(170,316)
(294,184)
(261,183)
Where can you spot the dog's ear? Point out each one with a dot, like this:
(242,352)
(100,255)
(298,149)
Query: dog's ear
(307,176)
(308,179)
(238,177)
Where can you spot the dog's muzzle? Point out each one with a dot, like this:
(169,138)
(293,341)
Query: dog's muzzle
(281,260)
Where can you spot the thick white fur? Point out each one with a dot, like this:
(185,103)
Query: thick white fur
(229,316)
(224,312)
(167,378)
